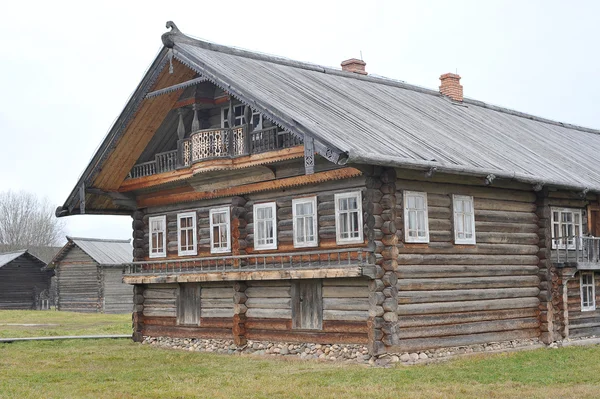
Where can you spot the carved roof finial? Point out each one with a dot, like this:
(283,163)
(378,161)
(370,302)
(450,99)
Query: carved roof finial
(167,37)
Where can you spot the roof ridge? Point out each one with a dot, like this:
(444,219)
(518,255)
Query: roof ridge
(99,239)
(175,36)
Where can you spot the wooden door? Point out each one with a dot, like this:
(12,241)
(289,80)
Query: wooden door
(188,304)
(307,304)
(594,220)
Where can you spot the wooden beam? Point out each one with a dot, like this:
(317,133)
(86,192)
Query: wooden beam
(344,173)
(309,155)
(212,165)
(291,274)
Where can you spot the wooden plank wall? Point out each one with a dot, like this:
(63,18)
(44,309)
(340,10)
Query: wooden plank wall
(345,312)
(117,296)
(582,323)
(159,316)
(452,295)
(78,283)
(20,281)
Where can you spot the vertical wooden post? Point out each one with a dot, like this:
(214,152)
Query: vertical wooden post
(248,132)
(309,155)
(137,317)
(231,121)
(180,125)
(195,120)
(82,199)
(239,313)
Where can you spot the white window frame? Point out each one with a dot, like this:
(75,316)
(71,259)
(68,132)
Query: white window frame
(465,216)
(227,225)
(296,220)
(338,233)
(241,120)
(180,216)
(407,238)
(273,207)
(559,223)
(163,220)
(582,287)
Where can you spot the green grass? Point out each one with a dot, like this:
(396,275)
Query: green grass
(53,323)
(123,369)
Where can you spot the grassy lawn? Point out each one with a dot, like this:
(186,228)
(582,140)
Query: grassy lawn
(122,369)
(14,323)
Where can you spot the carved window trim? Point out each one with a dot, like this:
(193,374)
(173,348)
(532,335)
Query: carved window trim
(345,214)
(463,219)
(418,211)
(226,225)
(260,223)
(161,223)
(193,228)
(301,222)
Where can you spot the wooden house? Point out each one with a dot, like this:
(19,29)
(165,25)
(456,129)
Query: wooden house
(279,200)
(23,283)
(89,274)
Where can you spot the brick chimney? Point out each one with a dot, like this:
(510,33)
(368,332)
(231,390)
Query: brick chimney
(451,86)
(354,65)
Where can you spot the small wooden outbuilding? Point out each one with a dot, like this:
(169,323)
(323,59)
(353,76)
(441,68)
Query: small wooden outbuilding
(89,276)
(23,284)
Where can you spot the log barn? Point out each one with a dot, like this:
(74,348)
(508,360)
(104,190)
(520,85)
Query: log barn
(23,283)
(279,200)
(89,274)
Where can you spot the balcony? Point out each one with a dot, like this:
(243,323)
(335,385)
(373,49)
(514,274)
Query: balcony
(204,145)
(580,252)
(351,262)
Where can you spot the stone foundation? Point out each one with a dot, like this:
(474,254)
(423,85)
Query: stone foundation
(357,354)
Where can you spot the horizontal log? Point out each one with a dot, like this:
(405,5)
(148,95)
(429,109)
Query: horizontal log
(269,313)
(468,328)
(584,332)
(345,292)
(347,315)
(407,321)
(187,332)
(505,227)
(416,344)
(268,292)
(319,337)
(269,303)
(504,206)
(506,238)
(223,293)
(467,306)
(216,312)
(408,297)
(159,312)
(346,282)
(216,303)
(345,304)
(268,324)
(458,283)
(432,271)
(461,259)
(479,249)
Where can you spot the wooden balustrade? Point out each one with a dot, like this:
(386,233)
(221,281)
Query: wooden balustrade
(582,250)
(216,143)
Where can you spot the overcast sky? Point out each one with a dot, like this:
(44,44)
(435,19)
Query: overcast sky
(68,68)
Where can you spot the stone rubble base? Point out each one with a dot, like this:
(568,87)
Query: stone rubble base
(357,354)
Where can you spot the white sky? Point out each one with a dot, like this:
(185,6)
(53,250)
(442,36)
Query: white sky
(67,68)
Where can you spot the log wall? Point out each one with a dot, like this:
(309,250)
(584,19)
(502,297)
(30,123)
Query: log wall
(451,295)
(156,307)
(78,283)
(117,297)
(582,323)
(21,282)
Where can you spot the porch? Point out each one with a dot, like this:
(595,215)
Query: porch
(338,263)
(204,145)
(573,251)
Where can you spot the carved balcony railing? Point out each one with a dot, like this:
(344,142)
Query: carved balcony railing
(583,252)
(209,144)
(348,257)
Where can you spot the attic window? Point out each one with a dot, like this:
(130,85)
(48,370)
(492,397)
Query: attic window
(239,119)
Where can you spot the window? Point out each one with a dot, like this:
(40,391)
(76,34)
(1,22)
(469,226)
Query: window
(304,213)
(464,219)
(158,236)
(348,218)
(416,223)
(220,233)
(265,226)
(239,119)
(566,225)
(588,291)
(186,233)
